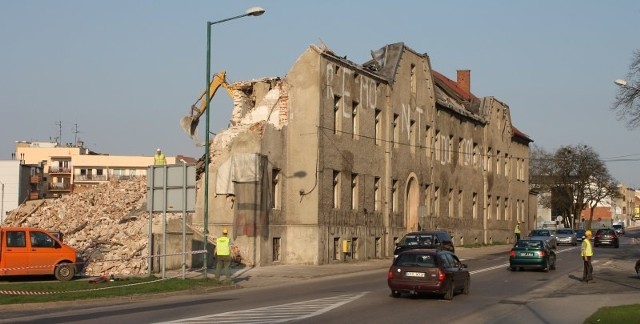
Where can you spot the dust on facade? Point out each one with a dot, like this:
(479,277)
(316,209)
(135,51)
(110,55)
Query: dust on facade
(337,160)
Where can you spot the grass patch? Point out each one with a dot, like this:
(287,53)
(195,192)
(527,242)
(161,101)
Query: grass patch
(49,291)
(615,314)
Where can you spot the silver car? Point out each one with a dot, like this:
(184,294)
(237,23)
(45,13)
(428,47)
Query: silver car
(566,236)
(544,235)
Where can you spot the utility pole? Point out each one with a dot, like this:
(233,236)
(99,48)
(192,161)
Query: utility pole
(75,137)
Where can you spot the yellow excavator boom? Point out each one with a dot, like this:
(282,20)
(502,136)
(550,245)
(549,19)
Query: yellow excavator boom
(190,123)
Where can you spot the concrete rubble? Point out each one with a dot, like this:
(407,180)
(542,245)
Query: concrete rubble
(108,224)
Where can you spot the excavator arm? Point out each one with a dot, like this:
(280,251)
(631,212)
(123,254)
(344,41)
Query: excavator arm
(190,123)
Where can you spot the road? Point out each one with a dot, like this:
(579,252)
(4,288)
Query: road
(353,298)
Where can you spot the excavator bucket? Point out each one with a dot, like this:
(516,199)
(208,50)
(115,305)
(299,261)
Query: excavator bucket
(189,125)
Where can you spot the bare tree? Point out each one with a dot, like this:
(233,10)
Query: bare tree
(627,104)
(575,177)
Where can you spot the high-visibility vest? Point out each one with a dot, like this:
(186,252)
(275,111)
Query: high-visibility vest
(222,246)
(159,159)
(586,248)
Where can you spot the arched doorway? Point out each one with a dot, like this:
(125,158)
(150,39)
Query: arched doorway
(412,203)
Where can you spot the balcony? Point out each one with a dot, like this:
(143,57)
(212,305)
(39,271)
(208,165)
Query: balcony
(89,177)
(59,170)
(59,186)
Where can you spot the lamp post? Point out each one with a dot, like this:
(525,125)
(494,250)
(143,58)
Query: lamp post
(253,11)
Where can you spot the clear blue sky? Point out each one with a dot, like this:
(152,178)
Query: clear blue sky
(126,71)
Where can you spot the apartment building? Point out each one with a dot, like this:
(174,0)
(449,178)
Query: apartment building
(337,160)
(68,168)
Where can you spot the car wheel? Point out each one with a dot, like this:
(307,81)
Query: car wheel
(449,294)
(395,294)
(512,268)
(467,284)
(64,271)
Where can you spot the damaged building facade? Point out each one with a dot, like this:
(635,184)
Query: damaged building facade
(337,160)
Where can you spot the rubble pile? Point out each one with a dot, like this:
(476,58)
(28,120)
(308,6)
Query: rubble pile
(108,224)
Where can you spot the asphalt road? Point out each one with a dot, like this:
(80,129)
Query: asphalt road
(497,296)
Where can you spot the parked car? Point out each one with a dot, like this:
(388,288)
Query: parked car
(566,236)
(606,236)
(619,228)
(428,271)
(532,254)
(580,234)
(544,234)
(425,240)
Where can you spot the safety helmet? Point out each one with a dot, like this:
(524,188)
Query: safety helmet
(587,233)
(224,231)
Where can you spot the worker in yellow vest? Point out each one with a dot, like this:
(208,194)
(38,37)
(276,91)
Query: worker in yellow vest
(159,158)
(223,255)
(586,252)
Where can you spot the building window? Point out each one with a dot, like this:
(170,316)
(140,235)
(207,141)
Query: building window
(450,148)
(396,130)
(498,164)
(337,114)
(355,121)
(428,142)
(460,202)
(336,248)
(414,81)
(354,191)
(275,189)
(412,136)
(394,196)
(450,197)
(336,189)
(378,126)
(437,146)
(489,213)
(506,165)
(475,205)
(377,194)
(427,199)
(276,249)
(436,202)
(476,153)
(488,160)
(498,209)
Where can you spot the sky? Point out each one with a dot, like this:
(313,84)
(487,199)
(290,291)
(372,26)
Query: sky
(118,75)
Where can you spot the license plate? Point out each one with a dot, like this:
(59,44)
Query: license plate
(526,253)
(415,274)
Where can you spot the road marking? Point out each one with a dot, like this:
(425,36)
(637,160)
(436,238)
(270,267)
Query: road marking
(276,314)
(502,266)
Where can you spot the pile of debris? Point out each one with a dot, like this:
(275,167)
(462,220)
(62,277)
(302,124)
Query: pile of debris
(108,224)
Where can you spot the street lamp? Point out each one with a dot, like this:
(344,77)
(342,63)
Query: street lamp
(623,83)
(253,11)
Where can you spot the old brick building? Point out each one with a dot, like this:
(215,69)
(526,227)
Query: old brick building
(338,156)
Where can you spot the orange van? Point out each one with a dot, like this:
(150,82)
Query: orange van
(34,251)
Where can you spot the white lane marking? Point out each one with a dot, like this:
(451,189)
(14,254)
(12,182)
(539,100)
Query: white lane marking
(276,314)
(502,266)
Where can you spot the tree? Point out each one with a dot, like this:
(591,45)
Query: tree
(627,104)
(575,177)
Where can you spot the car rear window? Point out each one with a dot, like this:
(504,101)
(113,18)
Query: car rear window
(416,260)
(417,240)
(617,226)
(564,232)
(529,244)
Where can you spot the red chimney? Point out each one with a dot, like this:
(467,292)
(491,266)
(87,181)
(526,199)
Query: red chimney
(464,80)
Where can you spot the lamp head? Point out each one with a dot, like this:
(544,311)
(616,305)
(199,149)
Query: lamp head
(620,82)
(255,11)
